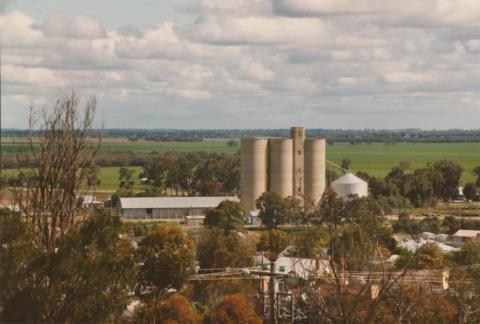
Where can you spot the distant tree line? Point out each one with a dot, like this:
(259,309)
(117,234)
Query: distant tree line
(332,135)
(103,159)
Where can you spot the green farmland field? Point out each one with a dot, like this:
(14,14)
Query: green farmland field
(108,176)
(147,147)
(376,159)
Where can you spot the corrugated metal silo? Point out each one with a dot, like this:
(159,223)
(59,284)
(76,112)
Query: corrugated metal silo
(314,166)
(253,170)
(280,166)
(350,184)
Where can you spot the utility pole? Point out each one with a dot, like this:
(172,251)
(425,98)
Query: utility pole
(271,290)
(1,98)
(273,316)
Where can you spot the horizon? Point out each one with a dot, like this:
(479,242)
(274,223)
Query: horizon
(245,64)
(274,129)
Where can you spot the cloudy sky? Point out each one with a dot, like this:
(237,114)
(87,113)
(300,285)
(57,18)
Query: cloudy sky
(247,63)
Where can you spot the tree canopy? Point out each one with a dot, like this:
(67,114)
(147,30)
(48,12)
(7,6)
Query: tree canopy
(228,216)
(167,259)
(275,210)
(219,250)
(87,279)
(233,309)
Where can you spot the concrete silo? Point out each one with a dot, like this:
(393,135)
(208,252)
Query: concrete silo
(350,184)
(280,166)
(298,136)
(314,168)
(253,170)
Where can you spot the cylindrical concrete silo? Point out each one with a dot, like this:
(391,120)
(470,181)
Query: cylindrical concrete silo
(253,171)
(314,166)
(280,166)
(298,137)
(348,185)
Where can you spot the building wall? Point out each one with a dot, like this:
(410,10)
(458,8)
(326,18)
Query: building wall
(162,213)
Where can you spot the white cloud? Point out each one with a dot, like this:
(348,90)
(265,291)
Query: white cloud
(256,70)
(17,30)
(257,30)
(317,63)
(407,12)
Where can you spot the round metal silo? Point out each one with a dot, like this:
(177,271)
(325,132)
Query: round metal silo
(349,185)
(253,171)
(280,166)
(314,171)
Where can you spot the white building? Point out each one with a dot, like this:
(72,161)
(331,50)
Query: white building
(466,234)
(168,208)
(253,219)
(301,267)
(90,201)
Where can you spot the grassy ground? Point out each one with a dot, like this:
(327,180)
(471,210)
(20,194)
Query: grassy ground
(376,159)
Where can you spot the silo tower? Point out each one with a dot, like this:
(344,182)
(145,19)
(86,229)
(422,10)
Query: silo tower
(280,166)
(298,137)
(253,170)
(314,182)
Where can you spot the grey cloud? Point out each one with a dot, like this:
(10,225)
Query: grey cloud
(87,27)
(130,31)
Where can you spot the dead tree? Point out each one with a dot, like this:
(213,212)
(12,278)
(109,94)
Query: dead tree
(63,151)
(356,278)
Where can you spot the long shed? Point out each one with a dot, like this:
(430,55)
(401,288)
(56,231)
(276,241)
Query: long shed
(171,208)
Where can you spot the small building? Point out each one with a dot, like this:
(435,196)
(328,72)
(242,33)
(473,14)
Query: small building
(466,235)
(253,219)
(89,201)
(168,208)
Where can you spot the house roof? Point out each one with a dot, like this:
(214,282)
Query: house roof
(466,233)
(173,202)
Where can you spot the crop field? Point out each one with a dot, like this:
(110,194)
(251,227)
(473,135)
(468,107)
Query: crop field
(376,159)
(108,176)
(114,145)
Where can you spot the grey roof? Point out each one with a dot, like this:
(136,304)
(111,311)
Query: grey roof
(173,202)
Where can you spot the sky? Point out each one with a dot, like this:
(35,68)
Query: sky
(246,63)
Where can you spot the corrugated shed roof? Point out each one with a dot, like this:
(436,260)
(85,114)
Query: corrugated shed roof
(466,233)
(173,202)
